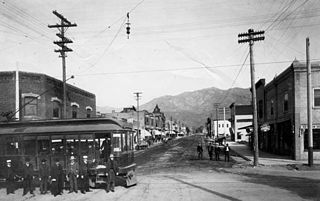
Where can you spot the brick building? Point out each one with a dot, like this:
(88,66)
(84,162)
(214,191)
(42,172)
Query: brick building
(31,96)
(282,106)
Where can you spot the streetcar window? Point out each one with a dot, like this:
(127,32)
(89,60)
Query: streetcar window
(13,146)
(29,144)
(43,145)
(116,142)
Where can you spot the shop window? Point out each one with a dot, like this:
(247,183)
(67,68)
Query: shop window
(30,106)
(316,139)
(316,95)
(260,109)
(271,107)
(285,102)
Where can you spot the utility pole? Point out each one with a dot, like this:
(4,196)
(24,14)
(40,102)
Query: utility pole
(309,105)
(252,36)
(64,24)
(216,105)
(138,121)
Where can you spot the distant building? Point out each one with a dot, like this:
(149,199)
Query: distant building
(32,96)
(282,112)
(221,128)
(241,118)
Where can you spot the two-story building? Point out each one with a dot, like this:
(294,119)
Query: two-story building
(282,109)
(32,96)
(240,118)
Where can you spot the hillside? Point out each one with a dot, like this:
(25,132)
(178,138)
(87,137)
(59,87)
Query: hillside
(193,108)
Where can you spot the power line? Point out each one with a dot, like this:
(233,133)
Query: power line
(234,80)
(184,69)
(107,48)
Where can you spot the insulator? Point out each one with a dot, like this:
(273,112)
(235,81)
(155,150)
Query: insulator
(128,30)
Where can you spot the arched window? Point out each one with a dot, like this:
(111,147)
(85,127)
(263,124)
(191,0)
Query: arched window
(74,107)
(74,112)
(89,110)
(56,107)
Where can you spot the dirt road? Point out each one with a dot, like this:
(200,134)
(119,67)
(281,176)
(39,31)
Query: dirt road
(172,172)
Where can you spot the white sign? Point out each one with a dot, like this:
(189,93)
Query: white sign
(265,127)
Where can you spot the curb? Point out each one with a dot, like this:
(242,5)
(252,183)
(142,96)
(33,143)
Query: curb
(240,155)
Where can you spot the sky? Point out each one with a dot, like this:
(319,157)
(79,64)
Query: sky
(174,46)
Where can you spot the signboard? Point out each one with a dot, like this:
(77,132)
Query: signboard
(265,127)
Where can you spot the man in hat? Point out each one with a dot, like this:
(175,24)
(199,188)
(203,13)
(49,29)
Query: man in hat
(10,175)
(56,178)
(43,176)
(112,169)
(84,175)
(73,174)
(106,148)
(28,176)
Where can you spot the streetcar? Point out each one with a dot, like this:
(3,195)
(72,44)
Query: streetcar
(60,139)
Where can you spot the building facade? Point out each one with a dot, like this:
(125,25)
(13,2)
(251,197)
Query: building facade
(282,109)
(240,119)
(221,128)
(34,96)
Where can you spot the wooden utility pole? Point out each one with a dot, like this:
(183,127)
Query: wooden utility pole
(252,36)
(216,105)
(62,44)
(138,121)
(309,105)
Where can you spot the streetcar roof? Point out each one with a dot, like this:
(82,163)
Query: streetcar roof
(63,126)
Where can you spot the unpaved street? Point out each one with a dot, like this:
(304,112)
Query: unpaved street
(172,172)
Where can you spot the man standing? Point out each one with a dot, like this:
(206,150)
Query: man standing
(44,176)
(9,175)
(28,177)
(112,169)
(226,153)
(56,178)
(217,152)
(73,174)
(84,175)
(200,151)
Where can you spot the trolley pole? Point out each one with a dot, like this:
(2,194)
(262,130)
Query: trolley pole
(62,44)
(309,105)
(138,120)
(252,36)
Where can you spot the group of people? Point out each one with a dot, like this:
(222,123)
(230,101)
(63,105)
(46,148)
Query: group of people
(216,149)
(77,175)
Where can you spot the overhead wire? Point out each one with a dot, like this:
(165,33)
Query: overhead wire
(161,69)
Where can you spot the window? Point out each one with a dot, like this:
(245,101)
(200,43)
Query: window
(285,102)
(31,106)
(74,112)
(260,107)
(88,113)
(56,111)
(316,95)
(271,107)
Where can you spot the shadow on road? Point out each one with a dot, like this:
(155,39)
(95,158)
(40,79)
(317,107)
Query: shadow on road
(304,187)
(204,189)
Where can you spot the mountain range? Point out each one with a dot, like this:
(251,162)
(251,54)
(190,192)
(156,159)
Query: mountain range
(194,107)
